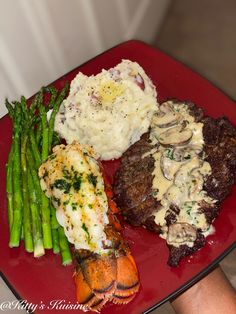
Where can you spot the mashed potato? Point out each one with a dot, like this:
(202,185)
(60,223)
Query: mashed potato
(109,111)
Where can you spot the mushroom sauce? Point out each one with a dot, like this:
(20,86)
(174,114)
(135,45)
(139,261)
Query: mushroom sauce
(179,173)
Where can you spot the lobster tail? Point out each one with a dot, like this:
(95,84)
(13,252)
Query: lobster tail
(99,272)
(101,278)
(85,295)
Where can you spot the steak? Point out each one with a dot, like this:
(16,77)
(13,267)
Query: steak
(133,182)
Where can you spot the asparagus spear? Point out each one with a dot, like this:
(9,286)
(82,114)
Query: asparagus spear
(55,241)
(10,186)
(45,208)
(43,117)
(64,247)
(27,120)
(26,206)
(15,234)
(36,220)
(45,211)
(54,112)
(38,134)
(33,106)
(10,109)
(54,222)
(53,95)
(33,170)
(34,147)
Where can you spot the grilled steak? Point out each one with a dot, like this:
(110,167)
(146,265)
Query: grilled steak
(133,185)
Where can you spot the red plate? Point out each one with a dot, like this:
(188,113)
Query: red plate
(40,281)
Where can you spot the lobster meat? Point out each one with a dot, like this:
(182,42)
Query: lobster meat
(105,268)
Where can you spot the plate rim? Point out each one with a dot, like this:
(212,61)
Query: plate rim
(214,263)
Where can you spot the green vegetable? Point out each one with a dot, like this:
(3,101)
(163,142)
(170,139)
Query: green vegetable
(64,247)
(26,205)
(15,234)
(30,214)
(44,123)
(54,112)
(55,241)
(36,219)
(10,186)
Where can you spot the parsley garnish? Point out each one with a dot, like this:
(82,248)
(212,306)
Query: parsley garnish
(62,184)
(169,154)
(77,183)
(85,228)
(92,179)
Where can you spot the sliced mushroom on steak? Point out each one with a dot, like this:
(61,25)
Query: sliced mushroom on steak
(176,136)
(166,117)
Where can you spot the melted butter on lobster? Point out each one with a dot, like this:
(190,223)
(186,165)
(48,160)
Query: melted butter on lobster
(105,268)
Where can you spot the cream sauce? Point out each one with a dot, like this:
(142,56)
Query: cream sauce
(180,182)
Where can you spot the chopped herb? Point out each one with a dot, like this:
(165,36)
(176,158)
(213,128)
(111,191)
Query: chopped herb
(189,211)
(62,184)
(74,206)
(77,183)
(169,154)
(66,202)
(92,179)
(154,193)
(85,228)
(90,206)
(66,173)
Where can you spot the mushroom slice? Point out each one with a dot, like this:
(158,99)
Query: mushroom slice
(186,152)
(169,166)
(181,233)
(166,117)
(175,136)
(184,174)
